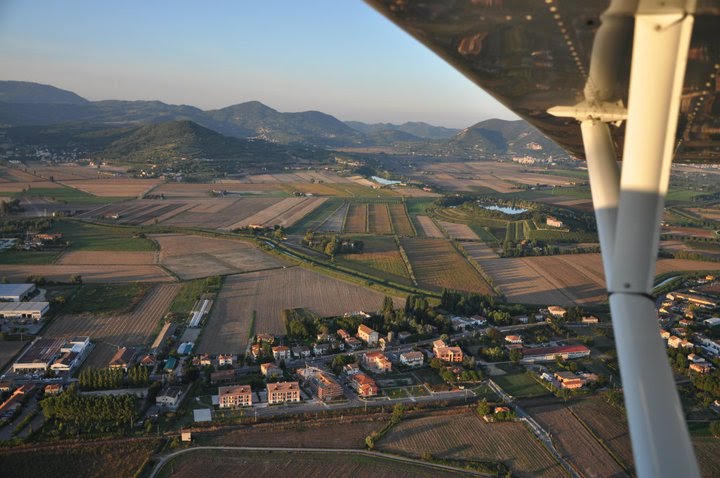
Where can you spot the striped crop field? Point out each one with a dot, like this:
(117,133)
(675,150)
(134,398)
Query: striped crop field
(401,221)
(356,219)
(379,219)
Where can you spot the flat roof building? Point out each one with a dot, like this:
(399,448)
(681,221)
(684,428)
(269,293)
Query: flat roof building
(15,292)
(39,356)
(548,354)
(23,310)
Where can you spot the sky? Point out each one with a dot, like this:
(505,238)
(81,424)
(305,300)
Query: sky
(336,56)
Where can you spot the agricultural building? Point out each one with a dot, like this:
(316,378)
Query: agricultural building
(377,362)
(281,352)
(39,356)
(15,292)
(363,385)
(23,310)
(368,335)
(270,369)
(412,359)
(235,396)
(549,354)
(282,392)
(168,329)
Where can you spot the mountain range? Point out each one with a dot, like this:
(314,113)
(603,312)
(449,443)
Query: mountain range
(26,104)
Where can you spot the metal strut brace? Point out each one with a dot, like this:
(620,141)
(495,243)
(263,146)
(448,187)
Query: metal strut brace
(628,210)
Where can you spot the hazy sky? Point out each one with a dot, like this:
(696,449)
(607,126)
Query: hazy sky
(336,56)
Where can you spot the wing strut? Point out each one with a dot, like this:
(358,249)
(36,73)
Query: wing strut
(628,208)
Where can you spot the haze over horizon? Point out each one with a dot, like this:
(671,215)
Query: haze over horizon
(343,59)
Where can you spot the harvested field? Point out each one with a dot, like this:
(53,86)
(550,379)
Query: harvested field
(479,251)
(356,219)
(268,293)
(400,220)
(464,436)
(115,187)
(8,349)
(379,219)
(459,231)
(609,424)
(575,443)
(565,279)
(9,187)
(192,257)
(68,172)
(103,258)
(437,265)
(427,228)
(711,213)
(381,257)
(334,222)
(205,190)
(138,212)
(89,273)
(687,231)
(336,433)
(107,331)
(284,213)
(221,213)
(16,175)
(707,451)
(87,459)
(273,464)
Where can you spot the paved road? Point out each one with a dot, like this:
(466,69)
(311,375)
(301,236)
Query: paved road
(344,451)
(539,431)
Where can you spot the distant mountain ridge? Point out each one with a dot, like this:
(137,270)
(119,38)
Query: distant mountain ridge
(33,104)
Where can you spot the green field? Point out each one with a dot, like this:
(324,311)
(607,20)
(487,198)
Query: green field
(316,217)
(518,383)
(106,298)
(191,291)
(28,257)
(381,258)
(92,237)
(418,205)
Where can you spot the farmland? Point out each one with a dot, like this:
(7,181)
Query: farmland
(86,459)
(103,258)
(380,257)
(400,220)
(272,464)
(518,383)
(92,237)
(356,220)
(334,222)
(269,292)
(609,424)
(134,328)
(284,213)
(575,442)
(8,349)
(180,253)
(89,273)
(106,298)
(707,451)
(379,219)
(438,265)
(427,228)
(464,436)
(459,231)
(564,279)
(113,187)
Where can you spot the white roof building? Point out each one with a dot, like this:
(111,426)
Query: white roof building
(15,292)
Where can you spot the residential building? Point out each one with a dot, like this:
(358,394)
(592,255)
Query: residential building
(377,362)
(226,359)
(53,389)
(712,322)
(353,343)
(692,298)
(343,334)
(169,397)
(569,380)
(222,376)
(710,346)
(513,339)
(557,311)
(664,334)
(203,360)
(148,360)
(282,392)
(256,351)
(281,352)
(363,385)
(676,342)
(123,358)
(23,310)
(368,335)
(549,354)
(12,404)
(322,384)
(700,367)
(351,369)
(695,358)
(15,292)
(590,319)
(301,352)
(321,349)
(170,364)
(265,338)
(553,222)
(445,353)
(412,358)
(270,370)
(404,335)
(235,396)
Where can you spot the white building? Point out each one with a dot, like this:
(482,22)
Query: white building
(15,292)
(412,359)
(170,397)
(23,310)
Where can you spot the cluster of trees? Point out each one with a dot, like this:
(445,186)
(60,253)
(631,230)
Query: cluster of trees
(301,324)
(708,386)
(468,373)
(74,413)
(339,361)
(530,247)
(462,303)
(332,245)
(10,207)
(108,378)
(417,317)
